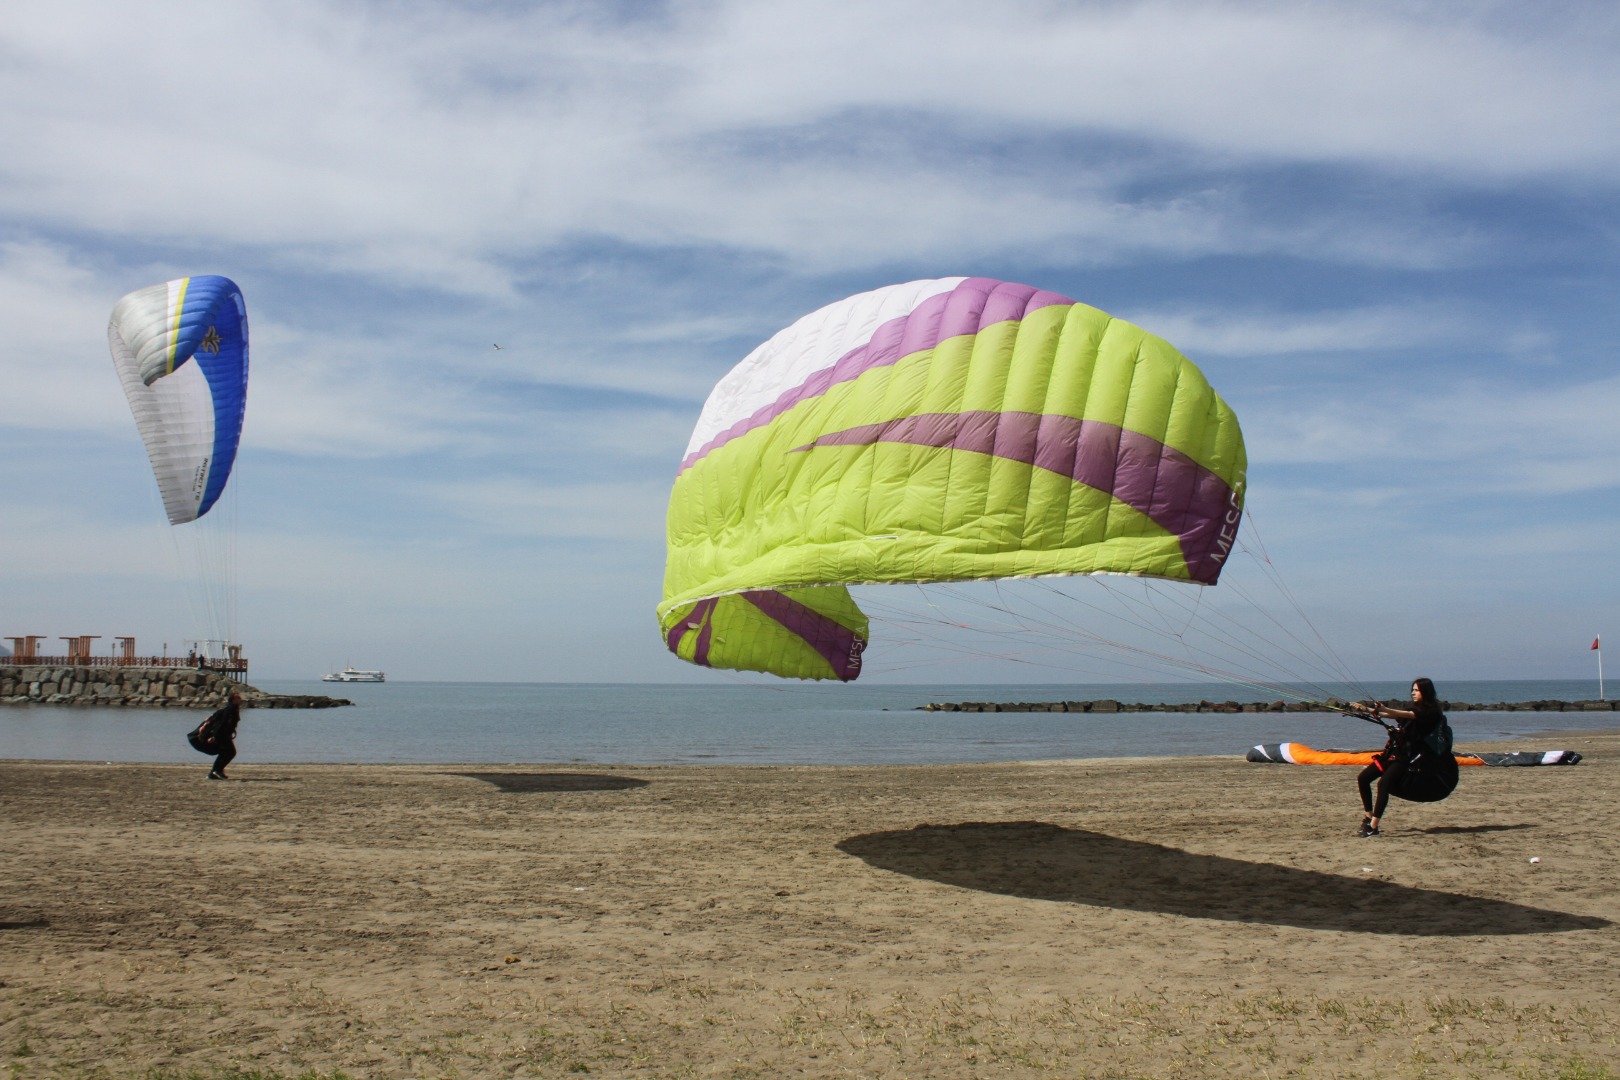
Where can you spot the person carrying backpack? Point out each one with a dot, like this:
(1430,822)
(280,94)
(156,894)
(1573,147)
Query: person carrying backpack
(217,736)
(1416,764)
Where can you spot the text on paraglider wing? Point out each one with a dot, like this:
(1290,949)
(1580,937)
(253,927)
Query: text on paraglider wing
(200,479)
(1229,523)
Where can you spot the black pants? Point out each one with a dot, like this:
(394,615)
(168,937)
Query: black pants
(1388,772)
(227,754)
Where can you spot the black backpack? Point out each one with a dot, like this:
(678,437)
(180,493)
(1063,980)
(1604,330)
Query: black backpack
(1431,767)
(202,738)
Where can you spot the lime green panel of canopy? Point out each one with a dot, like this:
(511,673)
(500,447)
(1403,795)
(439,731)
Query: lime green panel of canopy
(947,430)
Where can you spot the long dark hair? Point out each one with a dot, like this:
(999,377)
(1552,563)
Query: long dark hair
(1426,693)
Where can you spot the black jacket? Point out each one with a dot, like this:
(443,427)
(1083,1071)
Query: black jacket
(221,727)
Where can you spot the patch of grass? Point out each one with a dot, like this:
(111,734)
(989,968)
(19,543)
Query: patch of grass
(681,1029)
(240,1074)
(1578,1068)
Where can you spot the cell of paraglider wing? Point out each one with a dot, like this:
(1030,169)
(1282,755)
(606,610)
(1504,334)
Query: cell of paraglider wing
(810,633)
(181,352)
(947,430)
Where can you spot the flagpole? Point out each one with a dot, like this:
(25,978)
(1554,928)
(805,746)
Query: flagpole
(1597,647)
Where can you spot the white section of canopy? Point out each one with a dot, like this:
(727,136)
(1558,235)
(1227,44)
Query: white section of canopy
(794,354)
(147,320)
(175,413)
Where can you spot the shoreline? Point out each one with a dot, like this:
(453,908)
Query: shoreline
(1573,737)
(69,734)
(1175,916)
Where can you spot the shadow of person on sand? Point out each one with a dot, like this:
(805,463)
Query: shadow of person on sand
(1041,861)
(519,783)
(1454,830)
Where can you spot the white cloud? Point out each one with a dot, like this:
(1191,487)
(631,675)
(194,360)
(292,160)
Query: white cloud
(1546,540)
(326,395)
(1464,441)
(1439,86)
(430,144)
(55,367)
(510,506)
(1241,333)
(308,599)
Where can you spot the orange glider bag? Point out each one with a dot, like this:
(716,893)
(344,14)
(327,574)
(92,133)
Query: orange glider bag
(1293,753)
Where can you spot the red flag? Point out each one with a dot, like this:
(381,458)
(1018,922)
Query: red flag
(1595,642)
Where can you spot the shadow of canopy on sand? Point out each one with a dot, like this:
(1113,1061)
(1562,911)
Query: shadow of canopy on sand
(1041,861)
(521,783)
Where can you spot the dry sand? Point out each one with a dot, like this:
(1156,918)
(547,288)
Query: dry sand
(1187,917)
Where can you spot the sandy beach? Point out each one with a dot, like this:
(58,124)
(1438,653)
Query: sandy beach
(1146,917)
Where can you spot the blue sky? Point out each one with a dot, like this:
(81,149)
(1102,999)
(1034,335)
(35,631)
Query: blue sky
(1386,233)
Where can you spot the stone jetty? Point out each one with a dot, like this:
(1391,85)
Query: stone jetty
(141,687)
(1109,705)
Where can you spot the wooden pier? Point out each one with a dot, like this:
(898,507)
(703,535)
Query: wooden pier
(25,653)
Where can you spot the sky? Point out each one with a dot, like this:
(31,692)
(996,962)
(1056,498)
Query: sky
(1387,233)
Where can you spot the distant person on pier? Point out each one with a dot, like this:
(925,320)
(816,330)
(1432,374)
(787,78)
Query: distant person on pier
(1416,764)
(220,731)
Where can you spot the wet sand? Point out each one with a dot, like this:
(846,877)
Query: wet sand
(1145,917)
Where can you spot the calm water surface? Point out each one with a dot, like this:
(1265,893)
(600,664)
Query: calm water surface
(787,724)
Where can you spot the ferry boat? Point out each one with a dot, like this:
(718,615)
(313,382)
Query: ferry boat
(350,674)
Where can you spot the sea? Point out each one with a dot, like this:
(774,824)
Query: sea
(747,724)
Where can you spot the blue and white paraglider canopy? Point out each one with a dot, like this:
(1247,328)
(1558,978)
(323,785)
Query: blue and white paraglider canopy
(181,350)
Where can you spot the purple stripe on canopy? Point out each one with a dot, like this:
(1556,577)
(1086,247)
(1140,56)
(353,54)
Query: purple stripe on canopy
(970,307)
(1167,486)
(838,644)
(697,620)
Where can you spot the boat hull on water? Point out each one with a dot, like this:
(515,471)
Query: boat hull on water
(350,675)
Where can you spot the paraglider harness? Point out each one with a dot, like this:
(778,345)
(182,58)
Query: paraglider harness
(204,738)
(1431,767)
(201,738)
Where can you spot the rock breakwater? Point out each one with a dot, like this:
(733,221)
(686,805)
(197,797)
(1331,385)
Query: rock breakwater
(141,687)
(1109,705)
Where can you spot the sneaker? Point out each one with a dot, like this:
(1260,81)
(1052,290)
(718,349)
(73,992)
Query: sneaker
(1367,830)
(216,775)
